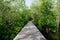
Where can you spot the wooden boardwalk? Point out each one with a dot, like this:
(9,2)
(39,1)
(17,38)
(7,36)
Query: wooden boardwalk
(29,32)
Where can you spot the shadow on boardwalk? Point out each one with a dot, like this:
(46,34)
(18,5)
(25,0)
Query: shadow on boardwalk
(29,32)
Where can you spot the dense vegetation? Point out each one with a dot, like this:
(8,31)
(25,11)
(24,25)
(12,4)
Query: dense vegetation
(58,9)
(13,17)
(45,20)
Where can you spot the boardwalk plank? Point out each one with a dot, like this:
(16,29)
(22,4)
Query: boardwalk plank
(29,32)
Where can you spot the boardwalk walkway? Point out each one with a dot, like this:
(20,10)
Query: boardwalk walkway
(29,32)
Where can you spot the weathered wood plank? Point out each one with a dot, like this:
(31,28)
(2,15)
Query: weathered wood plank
(29,32)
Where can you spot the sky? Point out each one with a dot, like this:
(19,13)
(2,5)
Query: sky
(28,3)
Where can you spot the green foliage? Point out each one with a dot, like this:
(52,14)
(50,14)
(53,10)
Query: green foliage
(12,20)
(45,19)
